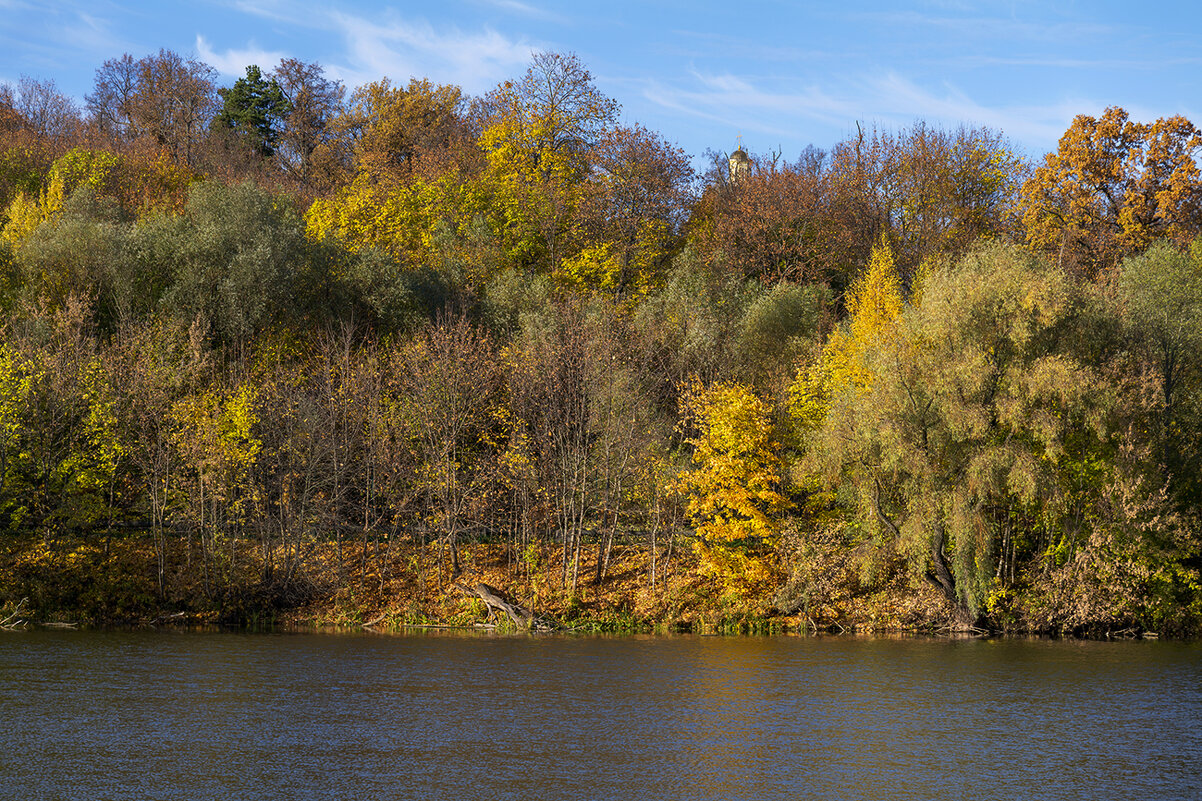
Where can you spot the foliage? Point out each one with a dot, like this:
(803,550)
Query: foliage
(1112,187)
(237,259)
(516,328)
(734,502)
(254,108)
(1160,297)
(970,413)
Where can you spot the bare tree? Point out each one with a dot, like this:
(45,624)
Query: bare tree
(308,129)
(50,113)
(163,97)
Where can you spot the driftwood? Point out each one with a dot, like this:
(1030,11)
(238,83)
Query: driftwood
(13,621)
(522,618)
(371,623)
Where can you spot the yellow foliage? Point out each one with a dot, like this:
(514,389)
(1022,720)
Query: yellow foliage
(25,214)
(399,218)
(874,306)
(15,384)
(215,434)
(731,490)
(593,267)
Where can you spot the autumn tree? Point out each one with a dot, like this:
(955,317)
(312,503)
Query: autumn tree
(150,365)
(164,98)
(214,434)
(550,398)
(308,140)
(16,382)
(399,126)
(734,502)
(112,100)
(538,140)
(415,193)
(450,379)
(633,208)
(774,223)
(972,422)
(1160,298)
(24,155)
(931,191)
(51,115)
(1112,187)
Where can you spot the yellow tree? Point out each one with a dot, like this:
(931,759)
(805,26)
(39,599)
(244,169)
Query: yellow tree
(632,212)
(15,388)
(874,305)
(214,436)
(417,192)
(538,142)
(732,494)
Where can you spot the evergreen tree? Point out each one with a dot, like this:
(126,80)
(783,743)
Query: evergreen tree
(254,108)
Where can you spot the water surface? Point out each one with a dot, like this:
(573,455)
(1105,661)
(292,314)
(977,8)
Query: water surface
(149,715)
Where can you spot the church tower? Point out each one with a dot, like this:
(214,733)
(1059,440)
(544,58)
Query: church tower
(740,163)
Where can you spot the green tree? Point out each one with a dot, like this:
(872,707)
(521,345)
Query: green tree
(972,412)
(237,259)
(255,110)
(1160,297)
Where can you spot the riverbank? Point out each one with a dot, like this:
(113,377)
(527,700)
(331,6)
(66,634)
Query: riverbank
(382,585)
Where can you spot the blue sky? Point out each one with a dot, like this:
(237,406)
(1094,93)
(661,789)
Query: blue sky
(782,74)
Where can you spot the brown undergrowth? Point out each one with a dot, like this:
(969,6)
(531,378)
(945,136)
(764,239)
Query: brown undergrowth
(106,581)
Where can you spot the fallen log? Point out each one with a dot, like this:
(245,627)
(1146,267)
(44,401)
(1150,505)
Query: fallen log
(522,618)
(13,621)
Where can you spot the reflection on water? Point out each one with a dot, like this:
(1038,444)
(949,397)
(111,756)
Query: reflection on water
(137,715)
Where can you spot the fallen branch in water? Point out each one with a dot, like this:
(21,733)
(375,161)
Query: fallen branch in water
(522,618)
(12,621)
(376,620)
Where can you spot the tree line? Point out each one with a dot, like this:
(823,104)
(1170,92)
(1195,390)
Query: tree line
(282,332)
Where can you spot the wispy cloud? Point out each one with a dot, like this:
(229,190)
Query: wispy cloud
(515,7)
(1092,64)
(401,48)
(890,100)
(233,61)
(993,27)
(710,45)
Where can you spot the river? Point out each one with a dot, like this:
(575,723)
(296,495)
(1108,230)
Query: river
(175,715)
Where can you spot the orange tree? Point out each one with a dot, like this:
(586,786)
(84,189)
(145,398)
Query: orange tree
(1112,187)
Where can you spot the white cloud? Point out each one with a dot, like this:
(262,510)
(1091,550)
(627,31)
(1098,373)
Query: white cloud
(233,62)
(400,49)
(517,7)
(890,100)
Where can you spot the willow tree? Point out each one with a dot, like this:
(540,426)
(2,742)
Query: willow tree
(965,421)
(1160,294)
